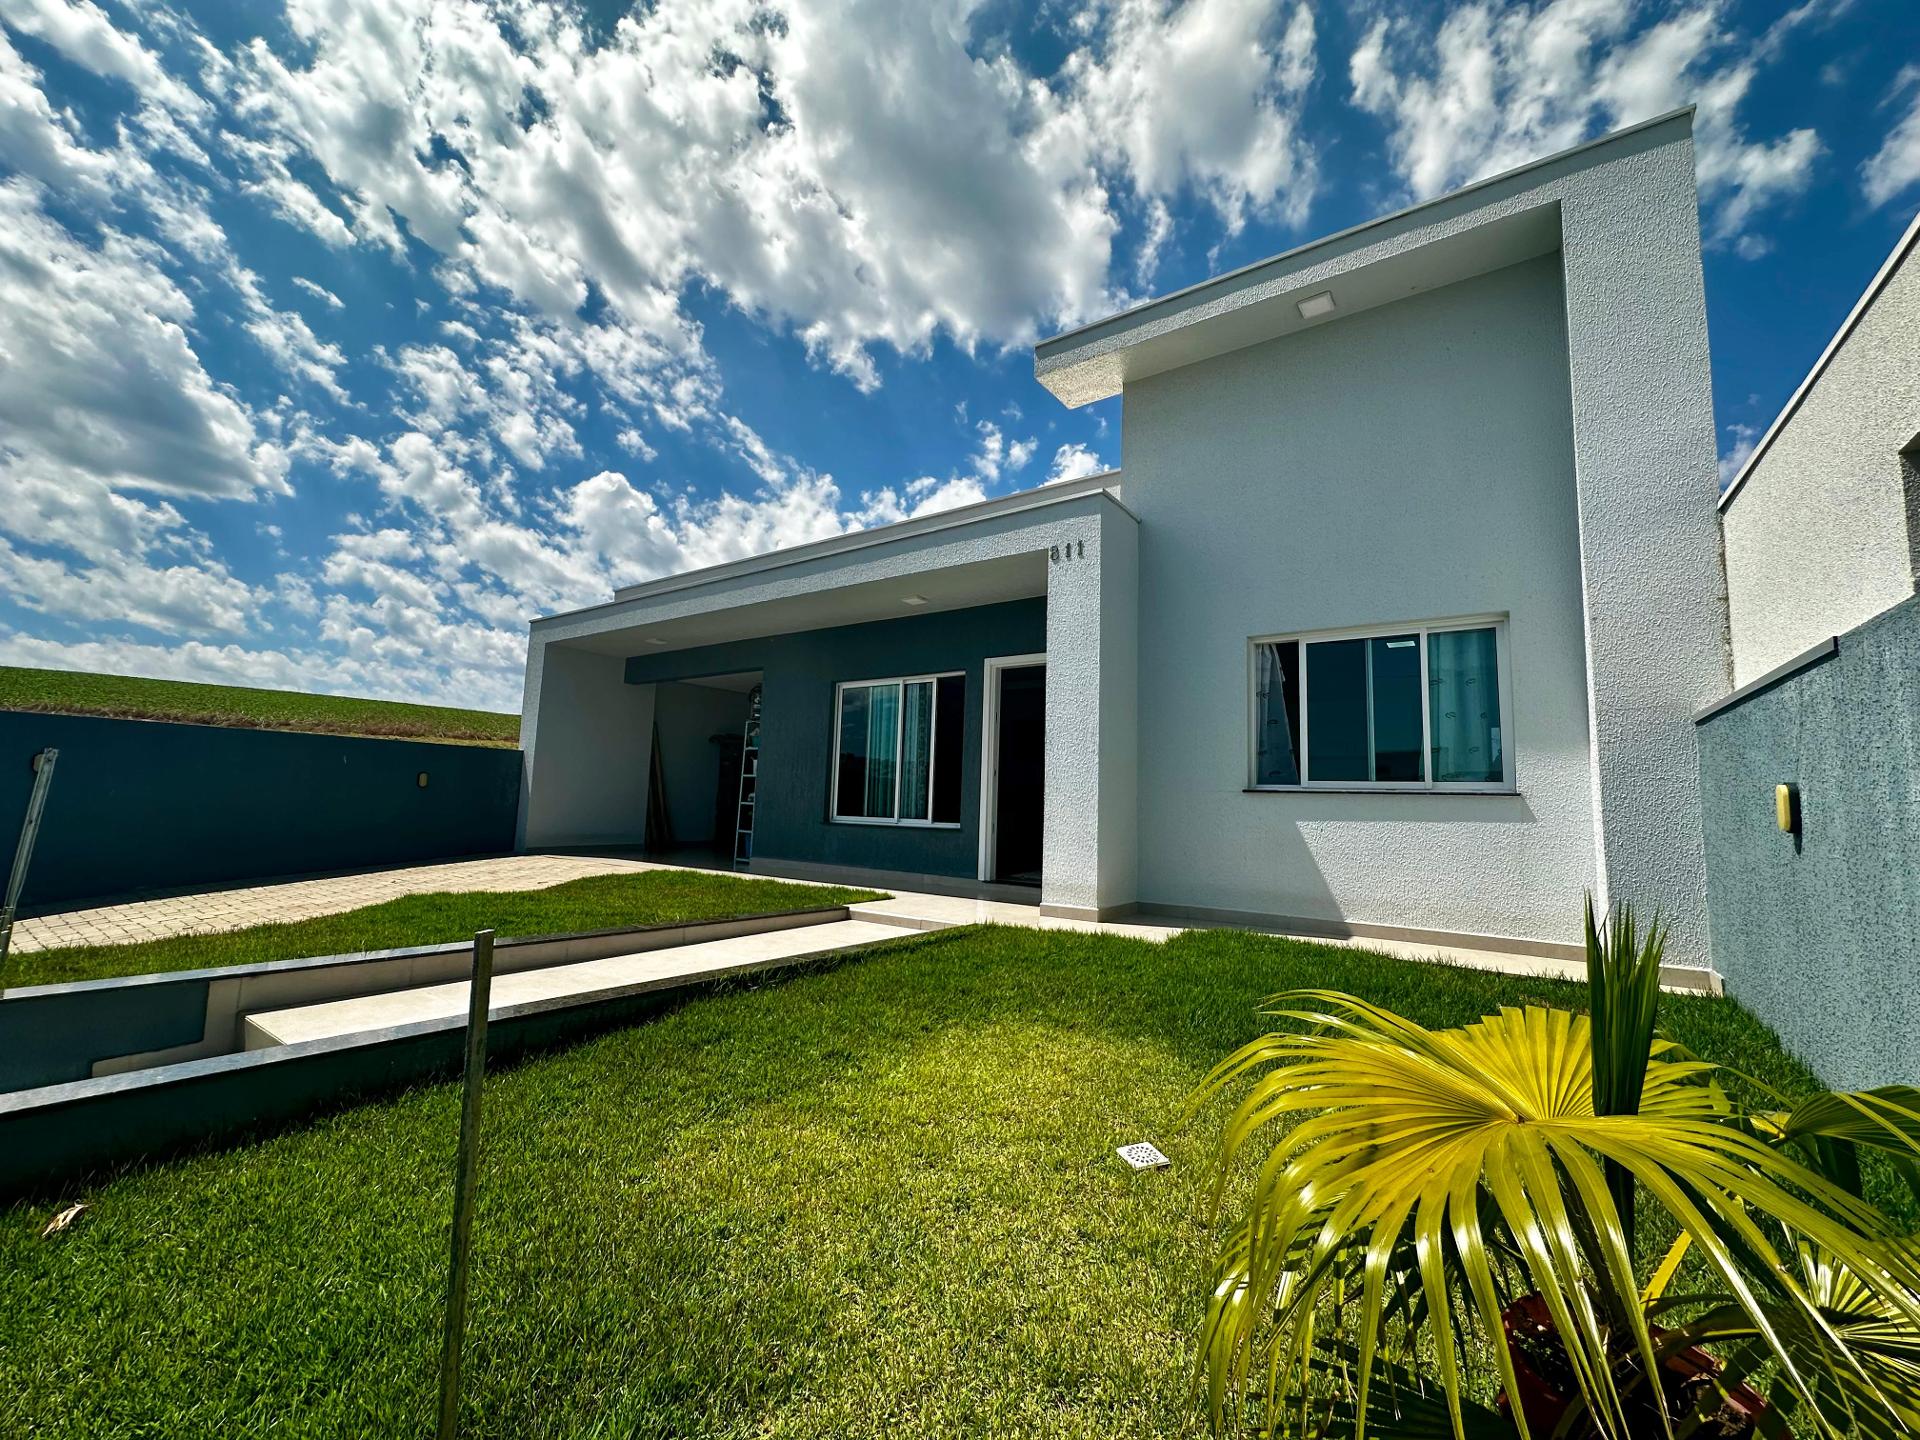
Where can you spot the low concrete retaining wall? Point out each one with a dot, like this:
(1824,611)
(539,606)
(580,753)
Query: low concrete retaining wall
(55,1034)
(144,805)
(1819,933)
(60,1131)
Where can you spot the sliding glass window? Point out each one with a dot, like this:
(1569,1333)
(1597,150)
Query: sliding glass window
(899,744)
(1414,707)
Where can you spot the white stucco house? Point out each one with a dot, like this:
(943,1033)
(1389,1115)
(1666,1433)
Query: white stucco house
(1393,624)
(1822,520)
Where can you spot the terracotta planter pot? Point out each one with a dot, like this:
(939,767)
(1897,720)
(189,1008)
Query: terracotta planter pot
(1545,1384)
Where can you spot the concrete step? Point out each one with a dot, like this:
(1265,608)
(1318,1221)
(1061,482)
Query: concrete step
(583,982)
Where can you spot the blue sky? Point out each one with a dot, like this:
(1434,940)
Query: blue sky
(338,339)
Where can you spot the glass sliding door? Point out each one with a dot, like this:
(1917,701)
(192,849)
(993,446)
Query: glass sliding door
(916,752)
(1393,678)
(1406,707)
(1463,679)
(1277,714)
(950,726)
(883,749)
(899,750)
(1337,711)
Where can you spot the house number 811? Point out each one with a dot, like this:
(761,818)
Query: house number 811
(1068,551)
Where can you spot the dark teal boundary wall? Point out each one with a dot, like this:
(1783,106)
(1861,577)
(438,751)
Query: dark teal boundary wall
(1819,935)
(799,674)
(143,805)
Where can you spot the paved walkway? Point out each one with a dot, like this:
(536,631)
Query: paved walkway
(586,982)
(232,909)
(581,983)
(936,912)
(208,911)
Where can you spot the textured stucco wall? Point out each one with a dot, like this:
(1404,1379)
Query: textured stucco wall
(1643,479)
(1647,465)
(799,673)
(1277,492)
(1822,939)
(588,785)
(1080,687)
(1119,883)
(1819,536)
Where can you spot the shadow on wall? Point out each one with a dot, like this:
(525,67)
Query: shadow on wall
(1290,881)
(145,805)
(1818,932)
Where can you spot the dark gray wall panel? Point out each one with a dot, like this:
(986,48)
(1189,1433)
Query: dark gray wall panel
(799,673)
(1820,935)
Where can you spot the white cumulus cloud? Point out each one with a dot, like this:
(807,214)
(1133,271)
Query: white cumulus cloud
(1501,82)
(1894,168)
(1074,462)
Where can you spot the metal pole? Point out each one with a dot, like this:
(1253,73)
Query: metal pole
(23,853)
(464,1176)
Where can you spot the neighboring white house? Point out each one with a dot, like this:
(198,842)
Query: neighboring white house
(1395,627)
(1822,522)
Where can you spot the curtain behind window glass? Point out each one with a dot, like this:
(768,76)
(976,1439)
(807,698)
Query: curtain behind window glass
(1463,687)
(883,739)
(1277,714)
(916,746)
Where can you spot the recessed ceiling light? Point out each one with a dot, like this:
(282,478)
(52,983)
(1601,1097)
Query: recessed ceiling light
(655,640)
(913,599)
(1314,306)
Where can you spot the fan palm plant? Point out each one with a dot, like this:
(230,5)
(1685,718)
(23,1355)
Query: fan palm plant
(1460,1203)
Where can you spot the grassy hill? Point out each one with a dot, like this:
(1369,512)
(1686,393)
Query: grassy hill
(66,692)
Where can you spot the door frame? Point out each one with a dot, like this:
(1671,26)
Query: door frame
(990,753)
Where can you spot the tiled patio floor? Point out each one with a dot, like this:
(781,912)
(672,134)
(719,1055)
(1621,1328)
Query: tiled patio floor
(208,911)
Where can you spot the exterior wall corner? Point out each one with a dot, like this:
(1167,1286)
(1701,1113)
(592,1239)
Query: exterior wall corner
(1651,569)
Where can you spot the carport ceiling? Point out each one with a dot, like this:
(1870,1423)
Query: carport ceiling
(956,587)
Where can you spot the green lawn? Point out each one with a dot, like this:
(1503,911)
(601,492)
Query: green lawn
(875,1200)
(599,902)
(69,692)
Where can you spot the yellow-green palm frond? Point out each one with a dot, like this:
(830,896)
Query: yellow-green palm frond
(1877,1395)
(1444,1172)
(1834,1126)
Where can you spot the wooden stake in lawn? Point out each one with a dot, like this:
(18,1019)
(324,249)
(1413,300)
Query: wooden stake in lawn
(464,1176)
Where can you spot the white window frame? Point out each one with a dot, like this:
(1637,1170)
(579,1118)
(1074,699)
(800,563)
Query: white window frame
(899,747)
(1422,628)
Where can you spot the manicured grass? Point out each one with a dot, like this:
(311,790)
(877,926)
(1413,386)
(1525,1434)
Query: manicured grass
(599,902)
(69,692)
(877,1200)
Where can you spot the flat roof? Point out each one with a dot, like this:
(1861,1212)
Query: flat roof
(1019,500)
(1066,363)
(1847,327)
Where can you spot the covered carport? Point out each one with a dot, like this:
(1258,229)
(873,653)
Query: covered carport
(1065,554)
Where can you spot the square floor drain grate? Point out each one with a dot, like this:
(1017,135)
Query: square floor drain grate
(1143,1156)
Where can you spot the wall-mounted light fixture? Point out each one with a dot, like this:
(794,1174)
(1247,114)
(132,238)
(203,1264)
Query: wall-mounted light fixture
(1786,808)
(915,600)
(421,779)
(1314,306)
(655,640)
